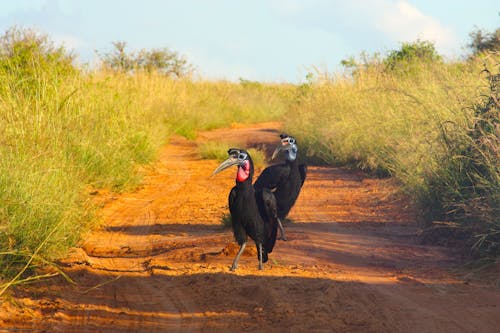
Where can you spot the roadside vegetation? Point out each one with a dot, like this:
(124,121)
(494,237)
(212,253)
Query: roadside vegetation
(434,126)
(67,132)
(217,150)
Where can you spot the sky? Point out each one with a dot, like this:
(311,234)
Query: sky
(264,40)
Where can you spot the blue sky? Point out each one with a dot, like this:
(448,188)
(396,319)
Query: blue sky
(266,40)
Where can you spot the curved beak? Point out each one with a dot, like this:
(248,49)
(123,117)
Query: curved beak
(281,147)
(226,164)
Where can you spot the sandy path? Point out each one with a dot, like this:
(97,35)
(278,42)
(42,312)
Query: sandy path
(161,262)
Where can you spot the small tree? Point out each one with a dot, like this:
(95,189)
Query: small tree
(420,51)
(28,58)
(164,61)
(483,41)
(21,50)
(118,59)
(160,60)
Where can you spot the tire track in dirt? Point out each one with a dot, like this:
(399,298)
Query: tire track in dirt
(160,262)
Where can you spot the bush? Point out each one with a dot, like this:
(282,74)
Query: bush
(418,52)
(29,59)
(163,61)
(417,126)
(483,41)
(466,187)
(66,133)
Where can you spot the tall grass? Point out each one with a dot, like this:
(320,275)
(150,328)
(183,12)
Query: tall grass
(216,150)
(392,123)
(66,132)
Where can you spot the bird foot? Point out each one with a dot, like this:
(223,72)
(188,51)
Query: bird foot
(283,238)
(233,268)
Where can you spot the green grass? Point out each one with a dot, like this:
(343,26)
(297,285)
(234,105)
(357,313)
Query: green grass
(216,150)
(417,126)
(66,133)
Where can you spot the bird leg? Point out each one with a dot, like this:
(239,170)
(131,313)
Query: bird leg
(237,258)
(282,230)
(260,256)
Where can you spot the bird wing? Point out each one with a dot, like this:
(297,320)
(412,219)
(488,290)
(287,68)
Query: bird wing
(238,231)
(232,196)
(303,173)
(271,176)
(268,209)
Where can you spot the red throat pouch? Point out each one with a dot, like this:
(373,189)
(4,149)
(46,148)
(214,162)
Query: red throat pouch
(243,172)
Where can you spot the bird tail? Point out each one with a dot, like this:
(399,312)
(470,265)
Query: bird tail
(271,222)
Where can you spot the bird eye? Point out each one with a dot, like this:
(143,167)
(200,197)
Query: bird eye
(291,141)
(242,156)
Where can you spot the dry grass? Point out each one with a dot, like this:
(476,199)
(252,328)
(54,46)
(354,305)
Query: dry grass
(68,134)
(418,126)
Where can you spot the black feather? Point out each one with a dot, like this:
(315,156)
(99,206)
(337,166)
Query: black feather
(285,180)
(253,213)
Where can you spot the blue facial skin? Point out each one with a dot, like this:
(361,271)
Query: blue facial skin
(291,153)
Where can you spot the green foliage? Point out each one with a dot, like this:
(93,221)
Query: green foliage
(417,126)
(215,150)
(483,41)
(66,133)
(118,59)
(417,52)
(466,186)
(29,59)
(163,61)
(258,158)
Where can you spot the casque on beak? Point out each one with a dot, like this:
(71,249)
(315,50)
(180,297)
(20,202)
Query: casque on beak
(226,164)
(232,160)
(284,145)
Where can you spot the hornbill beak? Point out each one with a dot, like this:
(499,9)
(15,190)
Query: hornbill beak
(226,164)
(283,146)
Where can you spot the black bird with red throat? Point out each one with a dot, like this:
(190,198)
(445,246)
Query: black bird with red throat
(253,212)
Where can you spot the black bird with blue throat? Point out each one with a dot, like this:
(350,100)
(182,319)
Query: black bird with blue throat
(253,213)
(285,179)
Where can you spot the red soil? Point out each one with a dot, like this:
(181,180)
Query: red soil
(161,261)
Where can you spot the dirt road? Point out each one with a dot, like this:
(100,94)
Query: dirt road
(160,262)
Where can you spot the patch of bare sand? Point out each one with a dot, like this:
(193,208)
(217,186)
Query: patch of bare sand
(161,261)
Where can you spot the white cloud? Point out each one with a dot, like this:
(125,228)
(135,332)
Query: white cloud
(370,24)
(402,21)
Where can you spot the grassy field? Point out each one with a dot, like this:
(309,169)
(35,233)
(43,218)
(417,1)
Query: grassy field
(66,133)
(434,127)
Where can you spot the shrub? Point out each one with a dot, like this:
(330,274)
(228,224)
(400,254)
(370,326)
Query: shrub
(417,126)
(466,186)
(66,133)
(163,61)
(28,59)
(418,52)
(483,41)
